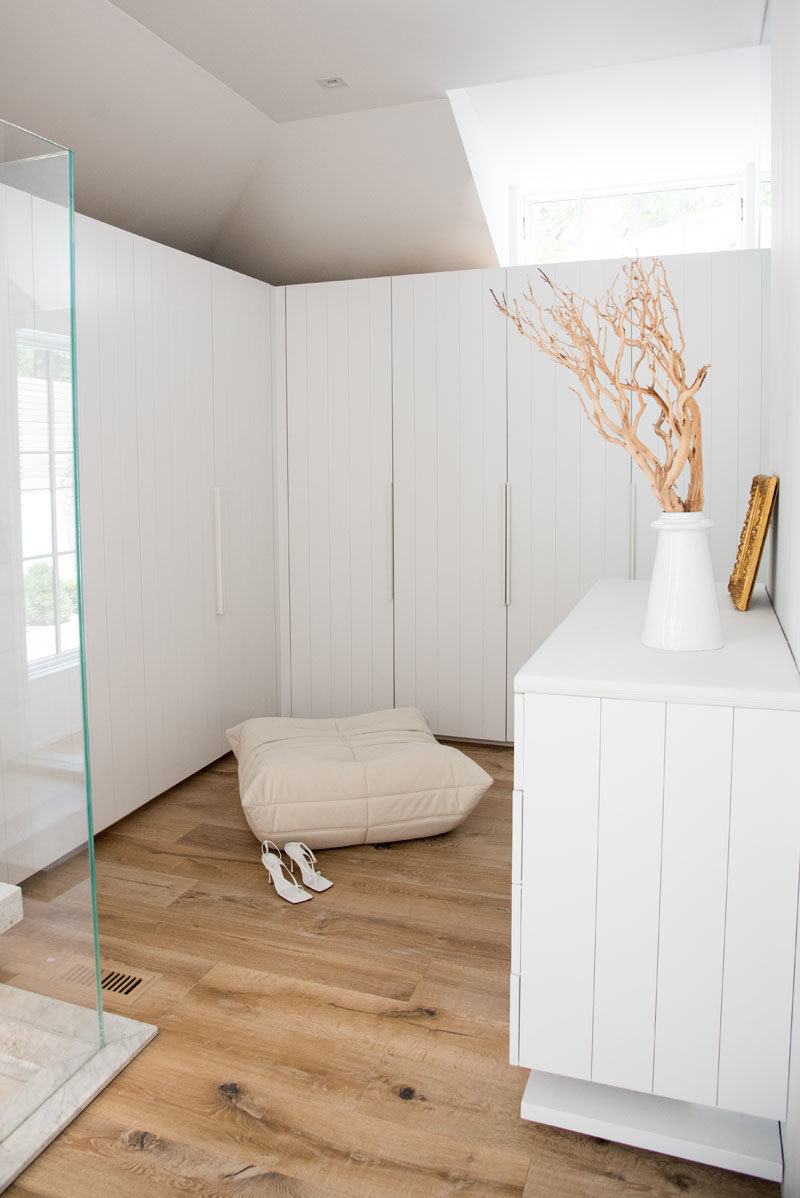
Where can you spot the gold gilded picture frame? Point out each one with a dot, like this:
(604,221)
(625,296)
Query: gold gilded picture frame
(751,542)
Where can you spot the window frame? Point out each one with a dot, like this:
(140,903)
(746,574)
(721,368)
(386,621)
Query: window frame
(50,343)
(531,197)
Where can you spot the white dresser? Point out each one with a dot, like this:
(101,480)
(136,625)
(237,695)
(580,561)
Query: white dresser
(655,883)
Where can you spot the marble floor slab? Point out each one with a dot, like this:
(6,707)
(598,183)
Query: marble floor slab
(53,1061)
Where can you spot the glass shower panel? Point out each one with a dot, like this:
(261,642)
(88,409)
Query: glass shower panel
(51,1021)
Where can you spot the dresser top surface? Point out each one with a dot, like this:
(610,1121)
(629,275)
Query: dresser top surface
(596,651)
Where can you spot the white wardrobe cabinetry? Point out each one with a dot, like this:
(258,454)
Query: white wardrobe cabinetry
(449,382)
(657,846)
(173,401)
(243,476)
(174,405)
(111,492)
(339,434)
(508,505)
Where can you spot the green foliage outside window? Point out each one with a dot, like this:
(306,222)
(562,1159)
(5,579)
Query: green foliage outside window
(40,596)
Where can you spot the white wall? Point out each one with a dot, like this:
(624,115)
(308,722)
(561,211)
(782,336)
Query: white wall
(487,171)
(695,116)
(723,301)
(784,415)
(784,438)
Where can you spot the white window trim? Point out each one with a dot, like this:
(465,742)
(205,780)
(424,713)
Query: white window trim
(67,659)
(528,197)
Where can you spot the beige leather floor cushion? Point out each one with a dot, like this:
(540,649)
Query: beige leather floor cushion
(360,780)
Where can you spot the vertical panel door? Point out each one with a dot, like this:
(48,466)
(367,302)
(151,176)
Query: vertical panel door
(559,889)
(110,437)
(760,914)
(450,472)
(175,465)
(628,867)
(339,432)
(243,475)
(694,868)
(569,489)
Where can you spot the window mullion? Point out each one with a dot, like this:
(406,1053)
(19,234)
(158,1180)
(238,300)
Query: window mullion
(51,423)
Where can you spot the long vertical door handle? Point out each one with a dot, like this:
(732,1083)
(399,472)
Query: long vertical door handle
(507,544)
(218,546)
(391,541)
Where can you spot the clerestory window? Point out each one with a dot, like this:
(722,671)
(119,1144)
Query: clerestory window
(691,218)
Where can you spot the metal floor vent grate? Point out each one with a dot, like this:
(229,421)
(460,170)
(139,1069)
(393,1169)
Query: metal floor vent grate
(112,979)
(120,983)
(79,975)
(116,979)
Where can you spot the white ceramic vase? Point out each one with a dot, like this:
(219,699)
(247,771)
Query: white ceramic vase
(682,607)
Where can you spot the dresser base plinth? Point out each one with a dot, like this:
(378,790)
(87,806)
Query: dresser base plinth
(687,1130)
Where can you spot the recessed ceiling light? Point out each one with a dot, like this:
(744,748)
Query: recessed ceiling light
(331,81)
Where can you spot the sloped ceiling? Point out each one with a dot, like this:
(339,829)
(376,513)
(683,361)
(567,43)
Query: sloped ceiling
(199,123)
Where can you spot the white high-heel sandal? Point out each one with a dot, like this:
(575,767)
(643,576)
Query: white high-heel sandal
(302,854)
(283,881)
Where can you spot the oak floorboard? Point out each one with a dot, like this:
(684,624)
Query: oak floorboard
(129,1163)
(352,1047)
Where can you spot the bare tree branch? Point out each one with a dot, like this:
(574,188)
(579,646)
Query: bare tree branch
(626,350)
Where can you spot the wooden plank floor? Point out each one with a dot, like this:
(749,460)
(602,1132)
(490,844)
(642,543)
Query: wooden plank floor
(353,1045)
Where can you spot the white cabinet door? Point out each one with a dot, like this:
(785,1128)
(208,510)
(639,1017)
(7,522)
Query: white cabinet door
(172,317)
(655,935)
(160,427)
(694,870)
(243,476)
(450,471)
(570,491)
(561,753)
(113,553)
(629,819)
(761,913)
(339,427)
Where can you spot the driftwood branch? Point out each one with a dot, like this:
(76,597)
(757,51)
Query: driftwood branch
(626,351)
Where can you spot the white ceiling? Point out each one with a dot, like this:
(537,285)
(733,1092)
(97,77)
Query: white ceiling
(402,51)
(198,122)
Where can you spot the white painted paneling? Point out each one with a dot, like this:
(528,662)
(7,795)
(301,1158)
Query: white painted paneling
(516,835)
(90,425)
(697,765)
(513,1020)
(449,379)
(570,490)
(12,603)
(112,554)
(519,741)
(339,416)
(628,863)
(153,399)
(174,400)
(243,472)
(719,298)
(174,396)
(119,464)
(761,916)
(516,915)
(280,466)
(783,413)
(562,746)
